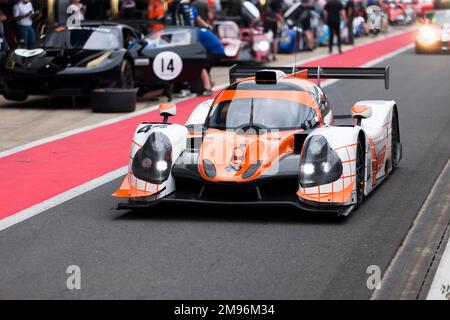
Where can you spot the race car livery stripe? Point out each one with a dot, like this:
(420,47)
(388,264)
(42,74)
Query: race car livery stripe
(37,174)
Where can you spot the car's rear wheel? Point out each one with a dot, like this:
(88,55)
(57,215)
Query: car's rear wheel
(360,171)
(126,80)
(395,142)
(15,96)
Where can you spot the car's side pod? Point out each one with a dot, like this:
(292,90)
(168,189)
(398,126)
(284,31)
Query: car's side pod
(327,171)
(154,149)
(380,120)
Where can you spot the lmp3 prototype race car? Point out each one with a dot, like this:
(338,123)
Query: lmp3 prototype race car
(434,35)
(103,59)
(268,138)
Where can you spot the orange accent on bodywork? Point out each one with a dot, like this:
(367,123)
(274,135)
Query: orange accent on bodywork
(374,162)
(166,106)
(302,74)
(126,190)
(194,134)
(359,108)
(228,148)
(302,97)
(341,196)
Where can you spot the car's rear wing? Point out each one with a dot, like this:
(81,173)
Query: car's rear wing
(241,72)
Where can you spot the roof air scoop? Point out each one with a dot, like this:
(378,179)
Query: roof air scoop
(268,76)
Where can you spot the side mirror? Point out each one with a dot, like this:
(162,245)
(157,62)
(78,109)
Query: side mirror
(167,110)
(360,112)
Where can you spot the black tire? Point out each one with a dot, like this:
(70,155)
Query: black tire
(360,171)
(395,143)
(126,80)
(15,96)
(113,100)
(419,50)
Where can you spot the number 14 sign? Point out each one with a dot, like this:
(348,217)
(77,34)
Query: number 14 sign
(167,65)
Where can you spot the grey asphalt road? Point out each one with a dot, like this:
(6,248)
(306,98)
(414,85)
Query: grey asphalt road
(217,253)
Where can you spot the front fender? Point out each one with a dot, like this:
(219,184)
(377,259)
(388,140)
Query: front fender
(133,187)
(343,140)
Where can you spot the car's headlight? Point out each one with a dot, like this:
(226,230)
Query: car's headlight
(428,35)
(319,163)
(94,63)
(261,46)
(152,163)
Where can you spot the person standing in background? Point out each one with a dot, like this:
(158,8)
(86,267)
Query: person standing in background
(4,45)
(214,50)
(77,10)
(184,14)
(23,12)
(202,9)
(156,12)
(334,13)
(128,9)
(350,10)
(305,23)
(271,18)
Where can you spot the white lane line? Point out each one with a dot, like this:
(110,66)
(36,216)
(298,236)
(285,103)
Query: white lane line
(60,198)
(395,265)
(75,131)
(440,287)
(155,107)
(70,194)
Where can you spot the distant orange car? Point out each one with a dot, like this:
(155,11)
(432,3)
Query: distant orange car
(434,35)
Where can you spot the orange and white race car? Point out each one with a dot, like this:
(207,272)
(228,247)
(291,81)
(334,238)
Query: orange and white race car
(269,138)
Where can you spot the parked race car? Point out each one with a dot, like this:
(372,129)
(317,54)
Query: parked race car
(247,43)
(434,35)
(394,12)
(267,139)
(175,58)
(424,6)
(103,59)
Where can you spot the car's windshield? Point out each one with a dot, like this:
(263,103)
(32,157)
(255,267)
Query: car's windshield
(441,18)
(172,38)
(262,113)
(87,38)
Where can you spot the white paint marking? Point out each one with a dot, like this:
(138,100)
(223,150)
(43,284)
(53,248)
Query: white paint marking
(445,261)
(60,198)
(440,287)
(70,194)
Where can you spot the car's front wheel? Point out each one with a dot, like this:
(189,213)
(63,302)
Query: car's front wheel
(360,171)
(126,79)
(396,147)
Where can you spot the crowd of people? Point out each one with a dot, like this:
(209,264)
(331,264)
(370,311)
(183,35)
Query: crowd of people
(22,20)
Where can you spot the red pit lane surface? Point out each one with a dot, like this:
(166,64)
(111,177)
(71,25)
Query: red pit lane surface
(37,174)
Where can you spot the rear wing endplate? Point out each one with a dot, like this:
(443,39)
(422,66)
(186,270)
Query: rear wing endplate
(241,72)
